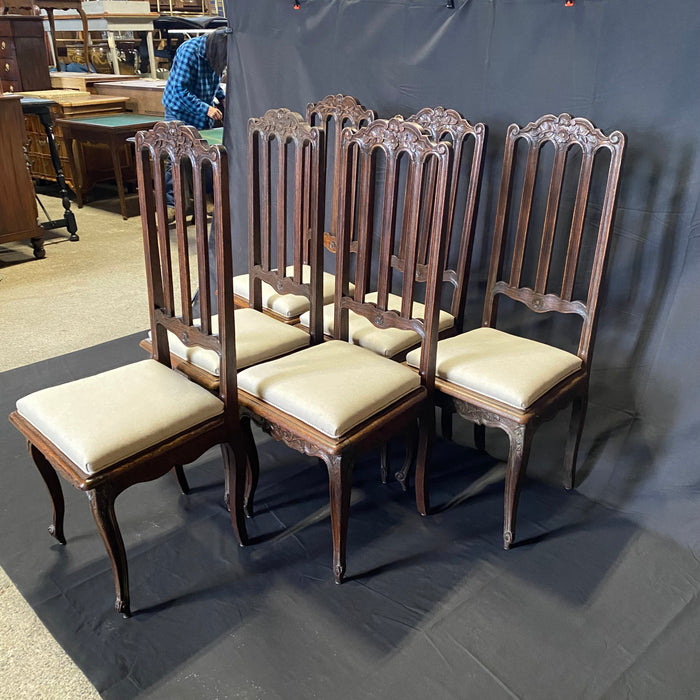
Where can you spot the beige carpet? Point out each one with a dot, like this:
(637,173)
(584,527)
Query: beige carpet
(82,294)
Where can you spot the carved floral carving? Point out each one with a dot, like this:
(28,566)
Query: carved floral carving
(343,107)
(565,130)
(283,124)
(394,135)
(179,141)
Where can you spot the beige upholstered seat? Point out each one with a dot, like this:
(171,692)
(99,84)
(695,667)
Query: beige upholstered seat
(387,342)
(100,420)
(289,306)
(332,387)
(505,367)
(258,338)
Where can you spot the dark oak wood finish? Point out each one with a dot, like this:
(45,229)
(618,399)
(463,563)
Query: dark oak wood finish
(18,220)
(168,312)
(414,164)
(565,134)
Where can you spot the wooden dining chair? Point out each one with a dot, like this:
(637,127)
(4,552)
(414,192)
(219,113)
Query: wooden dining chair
(259,336)
(337,399)
(132,424)
(501,379)
(466,162)
(330,116)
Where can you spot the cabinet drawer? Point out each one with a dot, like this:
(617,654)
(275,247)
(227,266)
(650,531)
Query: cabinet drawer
(7,47)
(9,85)
(8,68)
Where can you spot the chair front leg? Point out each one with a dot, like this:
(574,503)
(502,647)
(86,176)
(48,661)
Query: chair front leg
(102,507)
(53,484)
(520,440)
(340,486)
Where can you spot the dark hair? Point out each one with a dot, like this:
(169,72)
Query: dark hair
(216,46)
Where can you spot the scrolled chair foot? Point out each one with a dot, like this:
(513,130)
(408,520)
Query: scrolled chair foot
(54,532)
(339,573)
(122,607)
(507,539)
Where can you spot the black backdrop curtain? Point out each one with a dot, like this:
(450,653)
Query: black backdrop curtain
(631,65)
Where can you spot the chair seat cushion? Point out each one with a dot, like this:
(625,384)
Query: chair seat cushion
(100,420)
(286,305)
(332,387)
(505,367)
(258,338)
(387,342)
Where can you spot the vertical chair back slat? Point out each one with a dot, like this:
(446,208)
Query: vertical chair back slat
(533,157)
(572,254)
(550,219)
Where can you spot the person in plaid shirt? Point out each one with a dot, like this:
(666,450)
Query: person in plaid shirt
(193,86)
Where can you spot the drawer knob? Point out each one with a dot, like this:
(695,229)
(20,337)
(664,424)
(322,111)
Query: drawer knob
(7,68)
(3,45)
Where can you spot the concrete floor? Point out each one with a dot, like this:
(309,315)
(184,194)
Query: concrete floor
(81,294)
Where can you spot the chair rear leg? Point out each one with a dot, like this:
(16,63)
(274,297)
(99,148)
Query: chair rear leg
(578,417)
(426,435)
(409,457)
(384,462)
(340,487)
(520,440)
(252,472)
(480,437)
(53,484)
(446,421)
(102,507)
(179,473)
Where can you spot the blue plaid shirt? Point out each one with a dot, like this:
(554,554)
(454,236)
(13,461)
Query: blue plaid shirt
(192,85)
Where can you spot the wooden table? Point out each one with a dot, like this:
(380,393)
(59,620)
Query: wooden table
(49,6)
(111,131)
(85,81)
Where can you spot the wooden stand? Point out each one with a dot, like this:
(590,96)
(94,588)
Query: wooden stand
(17,196)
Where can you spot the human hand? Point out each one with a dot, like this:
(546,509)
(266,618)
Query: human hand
(214,112)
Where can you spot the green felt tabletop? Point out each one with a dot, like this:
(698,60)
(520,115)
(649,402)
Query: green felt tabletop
(121,119)
(213,136)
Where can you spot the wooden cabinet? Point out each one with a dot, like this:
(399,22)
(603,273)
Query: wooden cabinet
(17,198)
(24,63)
